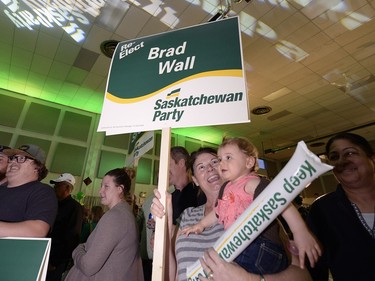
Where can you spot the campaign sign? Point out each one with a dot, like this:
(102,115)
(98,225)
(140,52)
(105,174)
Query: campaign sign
(139,144)
(24,258)
(182,78)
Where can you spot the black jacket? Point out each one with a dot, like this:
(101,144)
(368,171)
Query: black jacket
(349,249)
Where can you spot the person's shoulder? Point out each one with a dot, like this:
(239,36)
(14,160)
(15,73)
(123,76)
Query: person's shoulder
(40,187)
(252,181)
(119,217)
(193,211)
(326,201)
(263,183)
(328,197)
(120,210)
(38,184)
(264,179)
(189,187)
(190,191)
(74,203)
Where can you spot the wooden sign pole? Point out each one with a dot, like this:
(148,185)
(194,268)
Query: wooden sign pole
(158,267)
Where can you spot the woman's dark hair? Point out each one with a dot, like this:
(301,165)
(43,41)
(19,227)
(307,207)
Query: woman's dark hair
(42,170)
(354,139)
(194,155)
(121,177)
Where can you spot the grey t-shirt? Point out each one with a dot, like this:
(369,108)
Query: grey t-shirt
(191,248)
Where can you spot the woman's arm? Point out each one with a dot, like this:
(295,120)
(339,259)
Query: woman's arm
(90,257)
(208,220)
(225,271)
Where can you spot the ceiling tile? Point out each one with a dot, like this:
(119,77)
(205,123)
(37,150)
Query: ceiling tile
(41,64)
(316,50)
(67,52)
(138,18)
(24,39)
(95,37)
(47,45)
(85,59)
(21,57)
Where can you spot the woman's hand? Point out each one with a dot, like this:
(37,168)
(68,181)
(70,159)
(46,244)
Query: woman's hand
(219,270)
(157,209)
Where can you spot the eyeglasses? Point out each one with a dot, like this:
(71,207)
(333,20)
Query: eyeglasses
(203,167)
(19,158)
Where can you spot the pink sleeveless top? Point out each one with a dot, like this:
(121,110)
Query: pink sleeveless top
(234,201)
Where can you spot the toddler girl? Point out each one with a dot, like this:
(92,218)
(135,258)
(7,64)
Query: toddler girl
(266,254)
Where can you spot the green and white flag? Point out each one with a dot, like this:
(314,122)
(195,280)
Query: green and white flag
(183,78)
(139,144)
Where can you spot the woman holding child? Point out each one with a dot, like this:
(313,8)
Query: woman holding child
(204,167)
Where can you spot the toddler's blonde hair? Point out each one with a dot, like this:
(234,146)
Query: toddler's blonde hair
(245,146)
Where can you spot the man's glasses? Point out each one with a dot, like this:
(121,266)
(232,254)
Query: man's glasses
(19,158)
(203,167)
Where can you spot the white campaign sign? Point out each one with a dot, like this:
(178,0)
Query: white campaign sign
(173,79)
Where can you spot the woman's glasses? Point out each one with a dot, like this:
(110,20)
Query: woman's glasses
(19,158)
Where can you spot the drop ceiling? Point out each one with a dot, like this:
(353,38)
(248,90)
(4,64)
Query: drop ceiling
(311,61)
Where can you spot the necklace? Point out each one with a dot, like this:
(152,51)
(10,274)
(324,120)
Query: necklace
(363,221)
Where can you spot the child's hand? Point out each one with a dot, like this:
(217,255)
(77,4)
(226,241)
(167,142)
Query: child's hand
(196,228)
(307,245)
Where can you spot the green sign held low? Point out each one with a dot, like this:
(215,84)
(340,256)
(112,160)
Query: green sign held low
(24,259)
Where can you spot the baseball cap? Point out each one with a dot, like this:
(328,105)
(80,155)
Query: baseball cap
(69,178)
(30,150)
(2,147)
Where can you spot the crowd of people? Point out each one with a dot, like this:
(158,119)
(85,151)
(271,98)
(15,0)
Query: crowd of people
(188,249)
(334,238)
(30,208)
(342,221)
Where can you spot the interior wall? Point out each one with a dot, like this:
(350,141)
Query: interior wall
(72,144)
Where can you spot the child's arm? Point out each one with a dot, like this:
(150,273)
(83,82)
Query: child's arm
(306,243)
(208,220)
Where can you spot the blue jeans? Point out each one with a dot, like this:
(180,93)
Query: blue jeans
(263,256)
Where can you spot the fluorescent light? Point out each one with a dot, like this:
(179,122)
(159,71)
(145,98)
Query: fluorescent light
(277,94)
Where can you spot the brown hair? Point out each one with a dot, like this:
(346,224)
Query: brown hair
(178,153)
(245,146)
(121,177)
(42,170)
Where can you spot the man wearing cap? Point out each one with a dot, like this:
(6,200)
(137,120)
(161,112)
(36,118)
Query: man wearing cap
(3,165)
(66,231)
(27,207)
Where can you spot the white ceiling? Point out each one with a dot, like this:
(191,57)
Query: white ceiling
(311,61)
